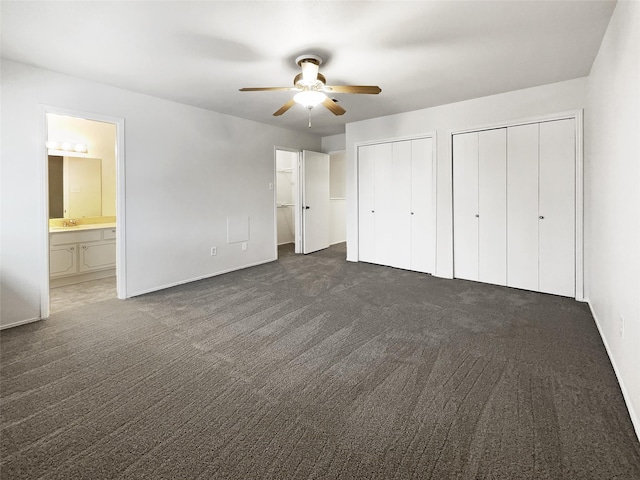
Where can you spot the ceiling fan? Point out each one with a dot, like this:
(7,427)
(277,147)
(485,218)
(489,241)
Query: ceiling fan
(312,88)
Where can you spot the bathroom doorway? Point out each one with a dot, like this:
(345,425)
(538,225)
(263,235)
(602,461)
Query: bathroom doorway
(287,212)
(84,206)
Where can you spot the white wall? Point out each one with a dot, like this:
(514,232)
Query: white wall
(187,169)
(511,106)
(334,143)
(612,197)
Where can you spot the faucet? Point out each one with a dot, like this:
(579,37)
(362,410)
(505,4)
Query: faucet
(70,223)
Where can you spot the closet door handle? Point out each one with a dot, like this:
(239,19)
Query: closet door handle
(307,207)
(373,211)
(477,216)
(541,217)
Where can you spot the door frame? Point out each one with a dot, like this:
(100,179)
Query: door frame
(121,285)
(577,116)
(434,183)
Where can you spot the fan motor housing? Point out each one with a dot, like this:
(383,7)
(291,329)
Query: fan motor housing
(320,83)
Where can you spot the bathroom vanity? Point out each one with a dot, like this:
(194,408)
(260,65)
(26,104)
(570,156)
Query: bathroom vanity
(81,253)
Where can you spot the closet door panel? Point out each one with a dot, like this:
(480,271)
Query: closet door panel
(492,206)
(557,208)
(366,203)
(401,216)
(522,210)
(422,222)
(385,204)
(465,205)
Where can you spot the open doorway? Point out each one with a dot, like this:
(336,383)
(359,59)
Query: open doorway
(83,247)
(302,200)
(287,211)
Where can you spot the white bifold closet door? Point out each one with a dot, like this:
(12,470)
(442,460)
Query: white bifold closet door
(465,206)
(480,205)
(366,203)
(557,208)
(541,196)
(395,204)
(514,206)
(522,216)
(423,238)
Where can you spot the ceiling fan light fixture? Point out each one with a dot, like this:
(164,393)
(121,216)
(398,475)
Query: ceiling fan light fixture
(309,98)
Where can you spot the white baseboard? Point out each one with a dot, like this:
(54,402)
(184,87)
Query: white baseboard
(20,322)
(195,279)
(635,420)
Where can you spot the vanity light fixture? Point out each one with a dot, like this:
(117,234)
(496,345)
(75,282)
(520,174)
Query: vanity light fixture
(67,146)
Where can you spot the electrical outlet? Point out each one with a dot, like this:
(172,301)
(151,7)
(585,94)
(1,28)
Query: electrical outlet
(621,326)
(214,251)
(244,246)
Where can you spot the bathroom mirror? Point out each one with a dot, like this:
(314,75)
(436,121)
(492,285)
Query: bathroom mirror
(75,187)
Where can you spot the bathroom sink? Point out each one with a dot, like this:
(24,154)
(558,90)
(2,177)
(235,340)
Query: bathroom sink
(72,228)
(62,229)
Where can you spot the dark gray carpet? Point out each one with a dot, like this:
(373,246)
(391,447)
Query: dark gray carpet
(312,367)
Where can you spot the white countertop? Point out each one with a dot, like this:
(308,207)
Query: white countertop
(93,226)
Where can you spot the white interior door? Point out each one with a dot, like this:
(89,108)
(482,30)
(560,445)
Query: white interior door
(522,199)
(422,221)
(385,210)
(556,208)
(492,206)
(399,233)
(315,201)
(366,203)
(465,205)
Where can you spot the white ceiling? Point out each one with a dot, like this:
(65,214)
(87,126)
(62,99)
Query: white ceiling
(421,53)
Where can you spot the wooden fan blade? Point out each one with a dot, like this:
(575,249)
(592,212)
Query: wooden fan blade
(266,89)
(368,89)
(284,108)
(333,107)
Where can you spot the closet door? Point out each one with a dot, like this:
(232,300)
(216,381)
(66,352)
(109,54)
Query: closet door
(390,193)
(422,222)
(556,264)
(465,205)
(492,206)
(366,203)
(522,211)
(400,219)
(384,191)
